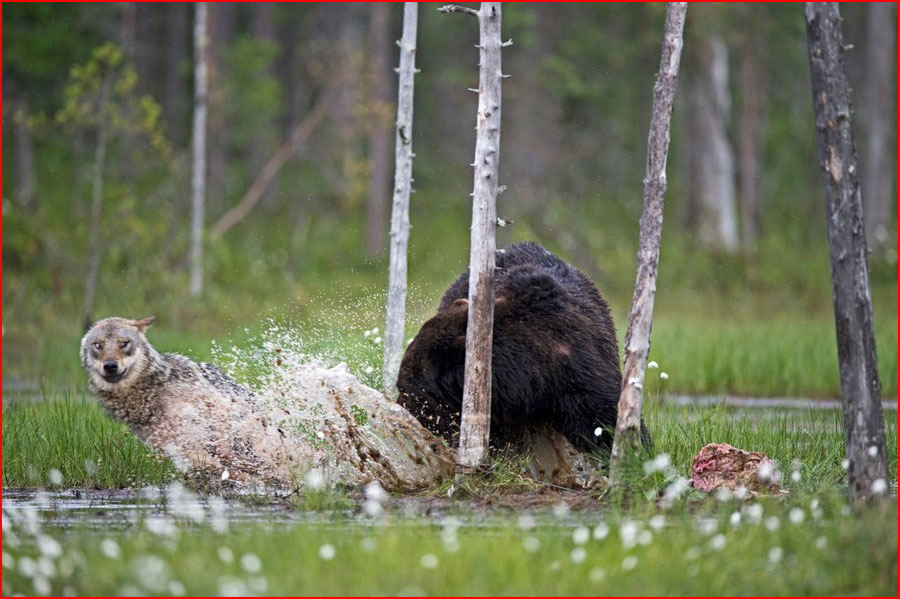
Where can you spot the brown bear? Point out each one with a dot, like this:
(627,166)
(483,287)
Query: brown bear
(555,358)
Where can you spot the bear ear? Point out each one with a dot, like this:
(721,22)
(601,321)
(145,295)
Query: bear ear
(142,324)
(461,302)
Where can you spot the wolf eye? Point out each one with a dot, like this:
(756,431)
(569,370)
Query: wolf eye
(98,345)
(124,344)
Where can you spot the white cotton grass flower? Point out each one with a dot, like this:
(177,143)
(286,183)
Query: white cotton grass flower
(795,476)
(251,563)
(660,463)
(628,532)
(664,375)
(598,431)
(717,542)
(531,544)
(845,464)
(796,515)
(176,589)
(41,585)
(873,450)
(581,535)
(429,561)
(327,552)
(652,364)
(376,340)
(601,531)
(724,494)
(708,526)
(879,486)
(9,561)
(629,563)
(754,512)
(48,546)
(657,522)
(597,574)
(561,509)
(735,519)
(578,555)
(527,522)
(226,555)
(55,477)
(741,492)
(775,554)
(765,470)
(645,537)
(161,526)
(821,543)
(110,549)
(772,523)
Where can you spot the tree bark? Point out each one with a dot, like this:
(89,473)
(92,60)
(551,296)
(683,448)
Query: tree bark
(376,203)
(718,215)
(395,321)
(879,106)
(90,286)
(176,36)
(198,179)
(750,138)
(860,389)
(265,134)
(25,178)
(475,422)
(640,319)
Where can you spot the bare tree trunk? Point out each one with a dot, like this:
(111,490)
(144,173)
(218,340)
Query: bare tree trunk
(879,104)
(395,321)
(25,178)
(860,389)
(176,51)
(475,422)
(714,165)
(198,179)
(90,286)
(640,319)
(379,149)
(265,134)
(750,137)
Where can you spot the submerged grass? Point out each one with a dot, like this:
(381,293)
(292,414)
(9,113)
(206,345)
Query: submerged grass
(802,546)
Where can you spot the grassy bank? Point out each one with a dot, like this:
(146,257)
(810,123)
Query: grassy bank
(88,449)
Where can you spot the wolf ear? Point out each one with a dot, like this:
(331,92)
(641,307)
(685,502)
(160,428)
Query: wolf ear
(461,302)
(141,325)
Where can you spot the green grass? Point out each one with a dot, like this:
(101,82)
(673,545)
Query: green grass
(77,439)
(89,449)
(829,553)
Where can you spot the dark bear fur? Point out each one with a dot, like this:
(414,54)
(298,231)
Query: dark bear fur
(555,354)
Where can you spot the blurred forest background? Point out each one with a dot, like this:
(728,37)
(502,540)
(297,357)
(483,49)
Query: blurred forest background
(744,296)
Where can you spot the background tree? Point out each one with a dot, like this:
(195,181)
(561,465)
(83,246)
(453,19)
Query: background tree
(198,140)
(860,387)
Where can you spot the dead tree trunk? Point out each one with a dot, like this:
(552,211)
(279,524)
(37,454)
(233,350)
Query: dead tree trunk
(880,102)
(90,286)
(379,140)
(750,141)
(640,319)
(860,389)
(475,423)
(25,177)
(198,179)
(395,320)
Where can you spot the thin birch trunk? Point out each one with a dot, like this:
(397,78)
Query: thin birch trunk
(198,179)
(475,422)
(379,135)
(640,319)
(90,287)
(860,389)
(395,321)
(25,177)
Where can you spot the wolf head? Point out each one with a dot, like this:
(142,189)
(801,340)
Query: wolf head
(115,352)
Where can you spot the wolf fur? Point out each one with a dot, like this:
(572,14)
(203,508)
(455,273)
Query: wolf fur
(191,411)
(207,423)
